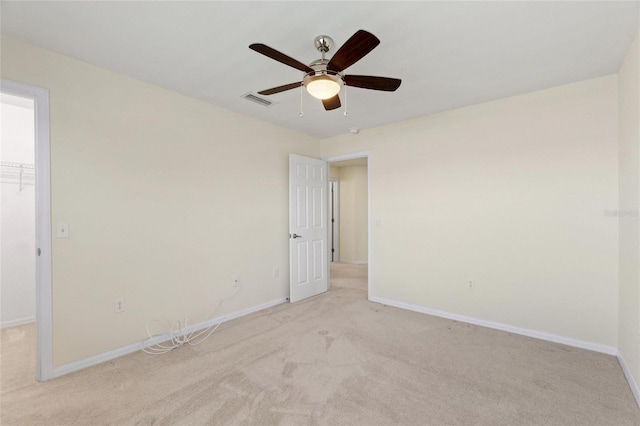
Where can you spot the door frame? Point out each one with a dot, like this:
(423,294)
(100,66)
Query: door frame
(44,346)
(335,226)
(353,156)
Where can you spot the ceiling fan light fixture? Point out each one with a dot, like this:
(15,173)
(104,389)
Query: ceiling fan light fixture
(322,86)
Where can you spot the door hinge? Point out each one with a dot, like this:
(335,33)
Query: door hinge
(39,252)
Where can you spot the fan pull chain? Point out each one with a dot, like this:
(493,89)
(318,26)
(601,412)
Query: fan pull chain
(345,101)
(301,93)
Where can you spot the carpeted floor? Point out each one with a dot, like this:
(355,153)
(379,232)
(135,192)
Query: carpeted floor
(349,276)
(332,359)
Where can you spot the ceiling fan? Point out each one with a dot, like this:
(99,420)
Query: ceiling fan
(324,78)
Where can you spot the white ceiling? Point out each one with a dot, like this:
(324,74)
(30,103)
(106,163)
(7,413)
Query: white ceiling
(448,54)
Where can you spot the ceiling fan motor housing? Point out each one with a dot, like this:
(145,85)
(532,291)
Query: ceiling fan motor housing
(320,68)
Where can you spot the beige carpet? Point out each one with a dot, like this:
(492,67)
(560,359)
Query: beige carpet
(332,359)
(351,276)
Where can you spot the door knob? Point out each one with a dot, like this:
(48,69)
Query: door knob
(295,236)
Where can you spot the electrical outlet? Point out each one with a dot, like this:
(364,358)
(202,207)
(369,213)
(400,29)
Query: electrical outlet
(276,272)
(235,280)
(471,285)
(119,305)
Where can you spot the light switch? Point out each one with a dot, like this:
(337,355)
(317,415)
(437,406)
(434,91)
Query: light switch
(62,230)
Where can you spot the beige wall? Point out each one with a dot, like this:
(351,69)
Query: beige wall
(160,191)
(510,194)
(629,222)
(353,214)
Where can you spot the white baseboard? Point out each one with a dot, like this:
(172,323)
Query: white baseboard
(17,322)
(354,262)
(627,373)
(609,350)
(134,347)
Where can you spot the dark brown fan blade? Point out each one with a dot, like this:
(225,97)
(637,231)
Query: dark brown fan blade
(354,49)
(374,83)
(279,56)
(331,103)
(280,88)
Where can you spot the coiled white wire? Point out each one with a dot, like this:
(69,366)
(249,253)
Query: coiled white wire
(177,336)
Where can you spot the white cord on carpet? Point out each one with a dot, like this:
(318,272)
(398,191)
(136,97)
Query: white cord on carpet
(176,333)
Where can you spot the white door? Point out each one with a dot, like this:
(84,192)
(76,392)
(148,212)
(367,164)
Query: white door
(307,227)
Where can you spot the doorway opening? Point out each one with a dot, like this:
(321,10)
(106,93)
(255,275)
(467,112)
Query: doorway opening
(17,215)
(25,220)
(349,219)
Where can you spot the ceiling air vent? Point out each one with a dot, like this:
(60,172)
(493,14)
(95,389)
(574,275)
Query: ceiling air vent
(257,99)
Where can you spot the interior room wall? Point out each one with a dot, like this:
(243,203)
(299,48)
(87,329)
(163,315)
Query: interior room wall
(353,214)
(509,195)
(17,214)
(166,196)
(628,214)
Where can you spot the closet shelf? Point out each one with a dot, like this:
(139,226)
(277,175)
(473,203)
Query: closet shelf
(17,173)
(17,165)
